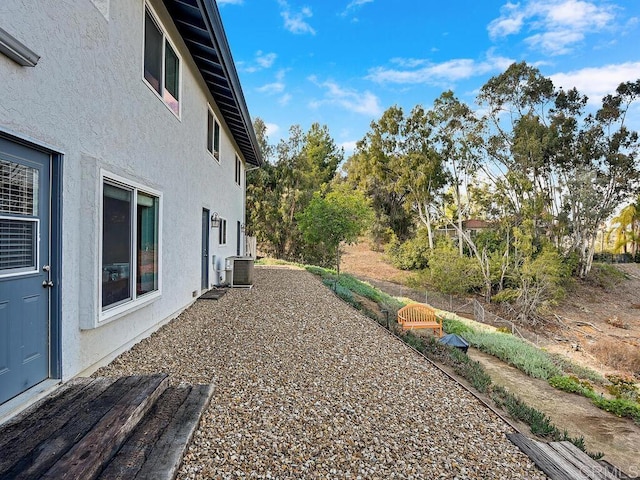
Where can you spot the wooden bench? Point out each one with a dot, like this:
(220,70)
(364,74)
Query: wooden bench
(419,315)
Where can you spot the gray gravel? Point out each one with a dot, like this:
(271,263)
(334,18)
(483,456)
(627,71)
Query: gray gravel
(306,387)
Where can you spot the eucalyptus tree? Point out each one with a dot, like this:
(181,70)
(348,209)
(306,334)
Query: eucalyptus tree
(597,156)
(553,163)
(397,165)
(370,169)
(456,139)
(419,167)
(517,147)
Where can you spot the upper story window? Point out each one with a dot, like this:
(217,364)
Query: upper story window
(238,171)
(161,63)
(213,135)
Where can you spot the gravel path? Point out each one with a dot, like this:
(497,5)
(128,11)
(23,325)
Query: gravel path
(308,388)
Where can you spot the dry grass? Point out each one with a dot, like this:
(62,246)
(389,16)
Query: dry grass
(362,261)
(618,354)
(616,322)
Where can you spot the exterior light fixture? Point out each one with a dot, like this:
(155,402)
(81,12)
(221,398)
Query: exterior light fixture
(215,220)
(242,227)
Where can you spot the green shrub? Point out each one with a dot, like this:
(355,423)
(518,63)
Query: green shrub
(455,326)
(452,273)
(508,295)
(569,367)
(539,423)
(572,385)
(620,407)
(464,366)
(522,355)
(622,387)
(412,254)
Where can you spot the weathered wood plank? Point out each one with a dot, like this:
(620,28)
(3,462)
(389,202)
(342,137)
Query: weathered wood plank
(47,409)
(87,457)
(14,427)
(43,442)
(563,463)
(542,458)
(166,456)
(592,469)
(126,464)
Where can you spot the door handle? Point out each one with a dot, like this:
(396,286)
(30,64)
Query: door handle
(47,284)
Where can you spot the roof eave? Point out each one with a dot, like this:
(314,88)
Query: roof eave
(244,136)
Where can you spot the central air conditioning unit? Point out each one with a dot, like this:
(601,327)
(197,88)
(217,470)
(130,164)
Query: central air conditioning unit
(239,271)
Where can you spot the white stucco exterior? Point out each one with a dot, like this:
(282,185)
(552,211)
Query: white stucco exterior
(87,100)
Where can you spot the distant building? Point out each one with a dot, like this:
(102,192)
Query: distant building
(471,226)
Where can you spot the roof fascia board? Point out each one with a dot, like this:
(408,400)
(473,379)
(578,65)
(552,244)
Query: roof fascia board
(213,22)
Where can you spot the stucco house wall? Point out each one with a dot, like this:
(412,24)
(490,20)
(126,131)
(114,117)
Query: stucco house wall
(87,99)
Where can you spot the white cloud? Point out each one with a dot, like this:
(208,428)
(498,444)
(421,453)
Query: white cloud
(296,22)
(349,147)
(509,22)
(557,26)
(365,103)
(597,82)
(555,43)
(229,2)
(285,99)
(261,61)
(272,88)
(353,5)
(275,87)
(436,73)
(357,3)
(265,60)
(271,129)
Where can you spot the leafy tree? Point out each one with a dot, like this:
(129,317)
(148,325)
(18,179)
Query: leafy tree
(339,216)
(602,169)
(396,165)
(419,168)
(370,170)
(552,163)
(276,193)
(457,139)
(517,102)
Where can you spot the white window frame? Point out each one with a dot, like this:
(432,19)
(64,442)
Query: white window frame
(110,314)
(166,39)
(213,152)
(222,232)
(36,266)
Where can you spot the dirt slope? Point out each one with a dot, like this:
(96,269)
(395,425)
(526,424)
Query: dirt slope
(596,326)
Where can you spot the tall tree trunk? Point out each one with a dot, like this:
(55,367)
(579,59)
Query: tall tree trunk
(459,207)
(429,230)
(425,217)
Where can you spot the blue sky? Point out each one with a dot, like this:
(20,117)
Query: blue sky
(343,62)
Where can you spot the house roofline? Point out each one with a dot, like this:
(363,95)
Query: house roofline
(200,25)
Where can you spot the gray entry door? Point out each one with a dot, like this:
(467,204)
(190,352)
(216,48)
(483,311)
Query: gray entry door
(25,179)
(204,284)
